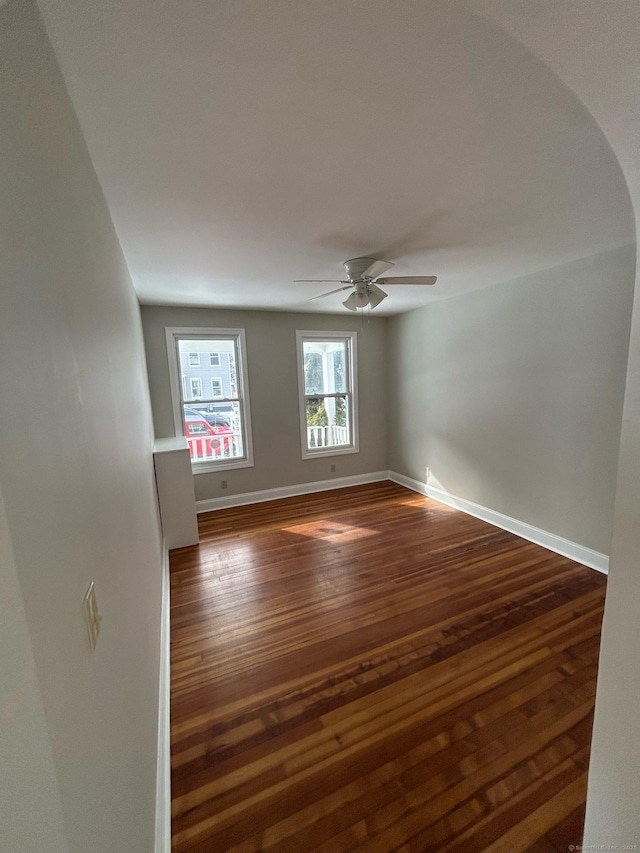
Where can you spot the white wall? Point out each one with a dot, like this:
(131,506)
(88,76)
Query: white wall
(77,478)
(30,806)
(273,389)
(513,395)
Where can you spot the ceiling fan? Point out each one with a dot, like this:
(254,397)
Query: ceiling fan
(361,273)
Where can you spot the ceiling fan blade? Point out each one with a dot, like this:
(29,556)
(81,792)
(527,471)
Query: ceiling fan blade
(408,279)
(337,290)
(376,269)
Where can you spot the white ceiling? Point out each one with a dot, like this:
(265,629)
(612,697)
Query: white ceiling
(241,144)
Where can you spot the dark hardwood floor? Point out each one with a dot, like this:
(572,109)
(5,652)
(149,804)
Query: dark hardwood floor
(367,669)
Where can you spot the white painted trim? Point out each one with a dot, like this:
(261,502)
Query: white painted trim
(289,491)
(163,771)
(351,341)
(579,553)
(172,335)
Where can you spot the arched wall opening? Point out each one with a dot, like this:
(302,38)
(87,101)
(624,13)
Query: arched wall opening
(592,47)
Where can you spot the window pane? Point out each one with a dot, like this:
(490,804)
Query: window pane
(214,431)
(207,372)
(324,367)
(327,421)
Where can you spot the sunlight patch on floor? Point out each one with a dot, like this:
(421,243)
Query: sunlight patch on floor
(225,564)
(428,503)
(330,531)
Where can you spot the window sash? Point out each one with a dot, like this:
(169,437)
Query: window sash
(349,340)
(184,400)
(174,336)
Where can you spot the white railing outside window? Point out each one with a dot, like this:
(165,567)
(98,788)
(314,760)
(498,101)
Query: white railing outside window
(327,436)
(210,449)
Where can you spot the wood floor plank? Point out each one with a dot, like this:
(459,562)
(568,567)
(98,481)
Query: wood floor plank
(366,669)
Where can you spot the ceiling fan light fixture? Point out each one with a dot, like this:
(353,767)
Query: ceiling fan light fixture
(376,295)
(361,298)
(350,302)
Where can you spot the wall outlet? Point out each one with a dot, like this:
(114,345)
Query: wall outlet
(223,484)
(333,468)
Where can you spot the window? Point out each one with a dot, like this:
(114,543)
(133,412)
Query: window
(216,421)
(327,388)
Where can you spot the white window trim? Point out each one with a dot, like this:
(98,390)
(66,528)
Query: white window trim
(218,363)
(195,394)
(352,368)
(189,354)
(175,333)
(219,381)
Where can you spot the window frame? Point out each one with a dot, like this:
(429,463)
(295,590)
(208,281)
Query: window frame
(173,335)
(351,369)
(189,364)
(220,383)
(213,363)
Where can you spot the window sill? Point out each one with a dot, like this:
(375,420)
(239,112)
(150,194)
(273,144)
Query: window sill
(225,465)
(328,451)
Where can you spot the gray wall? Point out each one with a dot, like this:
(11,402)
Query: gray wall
(273,389)
(78,741)
(513,395)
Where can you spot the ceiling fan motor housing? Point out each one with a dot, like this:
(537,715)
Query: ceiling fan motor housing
(357,267)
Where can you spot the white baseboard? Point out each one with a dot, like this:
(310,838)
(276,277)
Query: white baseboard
(579,553)
(585,556)
(163,771)
(289,491)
